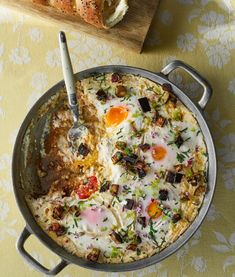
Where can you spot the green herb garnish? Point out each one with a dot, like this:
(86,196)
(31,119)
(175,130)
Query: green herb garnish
(115,252)
(180,158)
(105,219)
(75,221)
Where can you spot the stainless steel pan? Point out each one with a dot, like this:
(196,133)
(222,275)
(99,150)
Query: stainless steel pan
(25,177)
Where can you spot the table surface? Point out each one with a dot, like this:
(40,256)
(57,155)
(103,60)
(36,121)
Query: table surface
(199,32)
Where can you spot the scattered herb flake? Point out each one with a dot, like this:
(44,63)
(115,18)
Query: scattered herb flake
(180,157)
(75,221)
(105,219)
(184,130)
(119,132)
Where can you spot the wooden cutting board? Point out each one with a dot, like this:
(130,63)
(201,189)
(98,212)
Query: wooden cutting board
(131,32)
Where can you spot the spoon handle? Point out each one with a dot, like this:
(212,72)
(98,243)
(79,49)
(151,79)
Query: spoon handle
(68,76)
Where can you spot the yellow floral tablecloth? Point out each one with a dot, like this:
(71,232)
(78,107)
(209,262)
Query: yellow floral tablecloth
(199,32)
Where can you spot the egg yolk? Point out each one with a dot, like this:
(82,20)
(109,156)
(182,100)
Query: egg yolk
(153,210)
(159,153)
(115,116)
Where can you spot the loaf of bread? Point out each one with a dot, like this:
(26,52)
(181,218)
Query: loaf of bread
(100,13)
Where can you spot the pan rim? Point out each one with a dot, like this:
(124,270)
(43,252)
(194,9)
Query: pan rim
(35,229)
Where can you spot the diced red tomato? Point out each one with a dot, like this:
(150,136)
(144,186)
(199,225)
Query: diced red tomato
(85,190)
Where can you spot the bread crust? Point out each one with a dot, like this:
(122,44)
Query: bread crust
(66,6)
(91,11)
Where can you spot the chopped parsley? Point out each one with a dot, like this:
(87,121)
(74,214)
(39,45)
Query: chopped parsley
(103,229)
(187,139)
(198,132)
(115,252)
(150,88)
(152,232)
(182,156)
(119,132)
(75,221)
(184,130)
(137,114)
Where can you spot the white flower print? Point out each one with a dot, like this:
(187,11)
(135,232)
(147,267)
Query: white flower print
(39,81)
(6,184)
(19,23)
(6,225)
(186,42)
(212,19)
(35,34)
(199,264)
(227,36)
(184,250)
(20,55)
(166,17)
(228,175)
(4,210)
(5,175)
(231,86)
(212,213)
(53,58)
(196,237)
(229,261)
(101,53)
(5,161)
(226,246)
(217,35)
(227,153)
(77,43)
(227,5)
(217,121)
(218,54)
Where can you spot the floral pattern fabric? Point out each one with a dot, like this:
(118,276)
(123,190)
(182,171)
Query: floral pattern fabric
(199,32)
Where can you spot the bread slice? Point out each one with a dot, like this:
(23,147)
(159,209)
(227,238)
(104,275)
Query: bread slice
(100,13)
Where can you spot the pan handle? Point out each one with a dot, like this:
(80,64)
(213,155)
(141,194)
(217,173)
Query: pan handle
(20,247)
(207,90)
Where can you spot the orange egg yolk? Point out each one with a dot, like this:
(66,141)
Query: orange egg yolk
(153,210)
(115,116)
(159,153)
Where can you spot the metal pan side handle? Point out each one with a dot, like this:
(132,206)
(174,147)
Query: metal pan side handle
(20,247)
(207,90)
